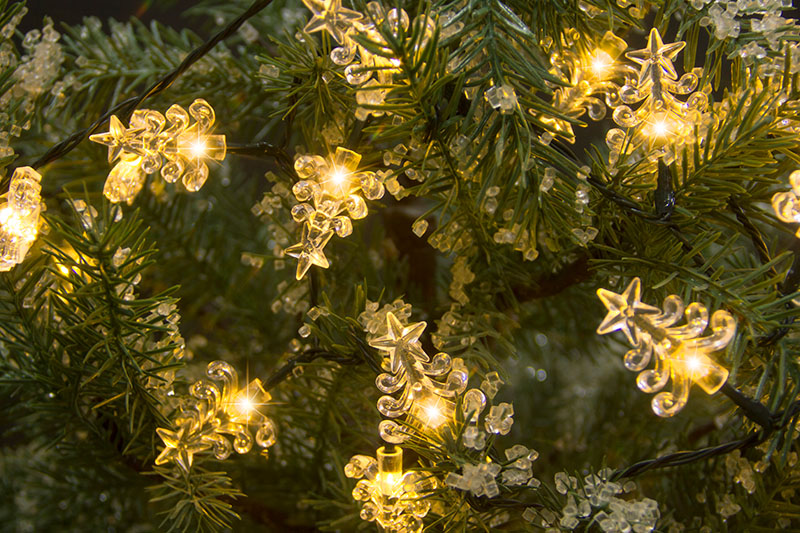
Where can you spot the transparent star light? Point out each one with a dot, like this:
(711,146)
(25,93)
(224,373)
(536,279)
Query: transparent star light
(392,498)
(336,192)
(661,120)
(170,143)
(428,387)
(215,413)
(679,352)
(19,217)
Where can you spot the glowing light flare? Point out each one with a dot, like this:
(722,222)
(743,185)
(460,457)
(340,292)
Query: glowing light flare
(389,483)
(16,225)
(601,63)
(198,148)
(245,403)
(338,182)
(433,414)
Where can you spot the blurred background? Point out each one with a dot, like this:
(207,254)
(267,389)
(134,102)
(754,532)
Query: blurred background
(169,12)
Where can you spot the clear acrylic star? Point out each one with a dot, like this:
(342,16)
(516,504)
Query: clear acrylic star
(656,59)
(309,251)
(400,340)
(181,445)
(115,138)
(621,308)
(331,16)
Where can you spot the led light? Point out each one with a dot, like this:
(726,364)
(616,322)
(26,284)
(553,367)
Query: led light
(198,148)
(601,62)
(660,128)
(245,405)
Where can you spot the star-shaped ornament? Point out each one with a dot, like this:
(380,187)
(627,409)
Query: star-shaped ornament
(400,340)
(115,138)
(180,446)
(656,58)
(331,16)
(309,251)
(622,307)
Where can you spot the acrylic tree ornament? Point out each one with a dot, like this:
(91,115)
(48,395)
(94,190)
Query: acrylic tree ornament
(19,217)
(392,498)
(427,386)
(170,143)
(215,413)
(588,83)
(680,353)
(661,119)
(331,192)
(787,204)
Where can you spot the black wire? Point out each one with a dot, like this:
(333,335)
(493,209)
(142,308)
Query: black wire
(128,106)
(686,457)
(263,150)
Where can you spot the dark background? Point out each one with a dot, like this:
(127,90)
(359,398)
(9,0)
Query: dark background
(72,11)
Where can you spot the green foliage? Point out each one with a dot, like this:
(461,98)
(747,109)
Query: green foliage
(93,357)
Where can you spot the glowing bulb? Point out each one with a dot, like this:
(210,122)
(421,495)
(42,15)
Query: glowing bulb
(601,63)
(64,270)
(245,405)
(389,482)
(5,213)
(660,127)
(338,178)
(434,415)
(198,148)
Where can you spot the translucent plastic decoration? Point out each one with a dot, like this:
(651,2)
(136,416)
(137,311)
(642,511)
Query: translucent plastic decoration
(216,413)
(170,143)
(391,498)
(332,194)
(679,352)
(19,217)
(329,15)
(427,387)
(588,79)
(661,119)
(787,204)
(364,67)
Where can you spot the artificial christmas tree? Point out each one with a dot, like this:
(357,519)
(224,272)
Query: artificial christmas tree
(172,292)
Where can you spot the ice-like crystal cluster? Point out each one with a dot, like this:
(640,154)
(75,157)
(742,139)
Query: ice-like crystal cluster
(729,19)
(597,499)
(41,64)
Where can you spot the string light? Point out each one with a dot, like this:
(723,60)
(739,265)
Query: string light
(19,217)
(411,371)
(214,413)
(336,192)
(679,352)
(662,120)
(391,497)
(153,142)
